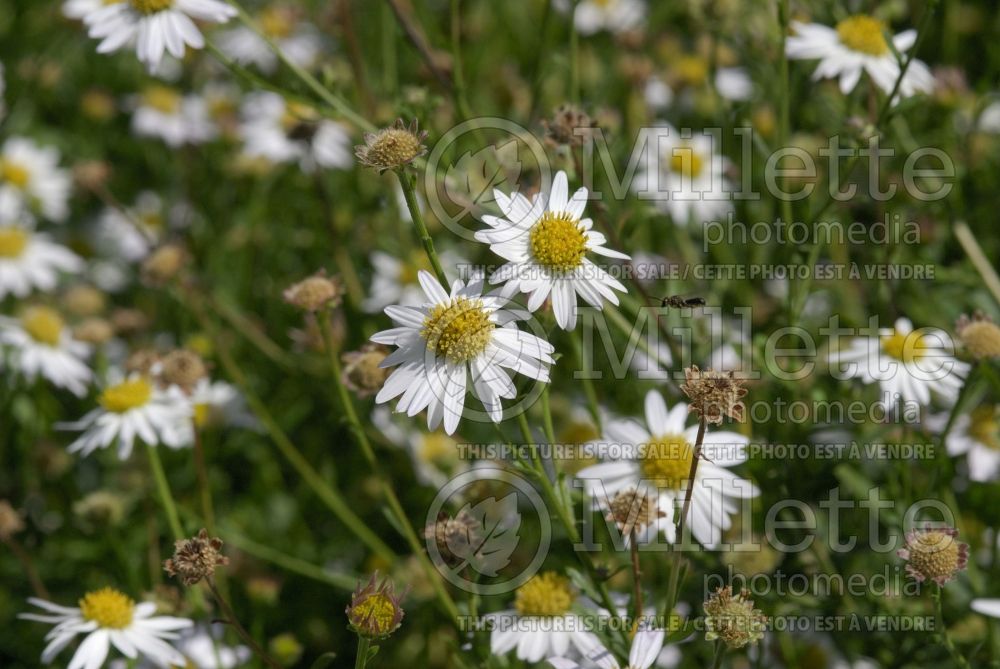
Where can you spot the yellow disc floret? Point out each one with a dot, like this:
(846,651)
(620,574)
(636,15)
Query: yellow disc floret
(126,395)
(12,242)
(686,162)
(14,173)
(984,426)
(666,461)
(43,324)
(548,595)
(151,6)
(864,34)
(162,99)
(458,330)
(905,347)
(108,608)
(557,241)
(377,610)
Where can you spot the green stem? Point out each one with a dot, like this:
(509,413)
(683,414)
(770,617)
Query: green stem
(550,432)
(674,588)
(786,204)
(233,621)
(166,497)
(943,631)
(362,660)
(407,182)
(574,57)
(720,651)
(589,391)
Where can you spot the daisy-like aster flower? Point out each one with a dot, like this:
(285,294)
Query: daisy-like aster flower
(977,435)
(684,177)
(855,45)
(298,40)
(545,242)
(219,404)
(43,346)
(130,408)
(30,175)
(906,363)
(616,16)
(154,26)
(284,132)
(132,234)
(202,648)
(934,553)
(542,623)
(435,455)
(394,280)
(31,261)
(108,618)
(645,650)
(453,341)
(656,459)
(164,113)
(987,607)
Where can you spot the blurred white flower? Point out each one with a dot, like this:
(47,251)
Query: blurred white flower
(220,404)
(857,44)
(645,650)
(298,40)
(435,455)
(613,15)
(395,279)
(987,607)
(30,174)
(31,261)
(545,242)
(43,346)
(132,234)
(283,132)
(177,119)
(976,435)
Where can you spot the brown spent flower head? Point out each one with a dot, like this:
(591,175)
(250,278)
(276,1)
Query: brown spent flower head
(569,126)
(733,618)
(92,174)
(143,361)
(93,331)
(129,321)
(195,559)
(375,611)
(393,147)
(182,368)
(714,395)
(934,553)
(316,292)
(633,511)
(83,300)
(362,372)
(979,335)
(11,522)
(454,536)
(164,264)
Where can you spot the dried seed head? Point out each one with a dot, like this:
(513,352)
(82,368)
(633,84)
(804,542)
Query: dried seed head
(195,559)
(362,373)
(454,536)
(733,618)
(934,553)
(144,362)
(569,126)
(182,368)
(979,335)
(83,300)
(315,292)
(92,174)
(714,394)
(129,321)
(93,331)
(392,147)
(633,511)
(375,610)
(100,508)
(164,264)
(10,521)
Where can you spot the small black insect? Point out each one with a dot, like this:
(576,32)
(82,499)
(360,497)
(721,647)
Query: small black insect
(679,302)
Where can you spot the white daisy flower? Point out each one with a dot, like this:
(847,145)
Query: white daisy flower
(43,346)
(989,119)
(298,40)
(284,132)
(543,622)
(154,27)
(80,9)
(612,15)
(656,460)
(108,618)
(133,234)
(545,243)
(394,280)
(435,455)
(645,651)
(31,261)
(202,648)
(452,340)
(164,113)
(855,45)
(30,174)
(906,363)
(219,404)
(987,607)
(976,435)
(684,177)
(130,408)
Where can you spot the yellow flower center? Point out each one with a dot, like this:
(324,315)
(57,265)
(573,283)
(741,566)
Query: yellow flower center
(984,427)
(864,34)
(558,242)
(376,611)
(202,414)
(151,6)
(691,70)
(409,271)
(12,242)
(547,594)
(14,173)
(905,347)
(126,395)
(666,461)
(162,99)
(458,330)
(108,608)
(297,114)
(153,221)
(935,554)
(438,448)
(43,324)
(276,22)
(686,162)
